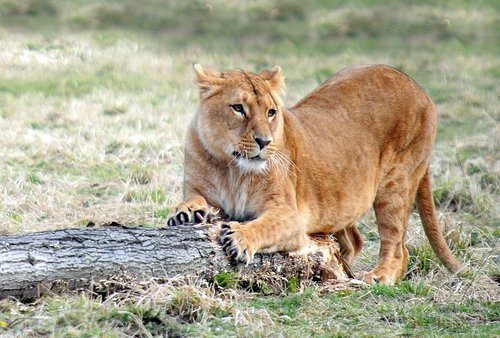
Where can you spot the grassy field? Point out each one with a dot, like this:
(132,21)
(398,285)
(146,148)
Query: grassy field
(95,98)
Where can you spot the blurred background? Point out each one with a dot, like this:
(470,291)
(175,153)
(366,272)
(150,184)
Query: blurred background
(437,42)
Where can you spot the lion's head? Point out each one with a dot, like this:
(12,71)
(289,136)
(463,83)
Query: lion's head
(240,119)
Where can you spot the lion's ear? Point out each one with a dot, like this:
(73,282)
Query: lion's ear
(209,81)
(275,79)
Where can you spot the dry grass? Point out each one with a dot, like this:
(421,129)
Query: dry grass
(96,156)
(95,98)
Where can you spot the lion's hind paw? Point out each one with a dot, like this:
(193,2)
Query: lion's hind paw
(373,278)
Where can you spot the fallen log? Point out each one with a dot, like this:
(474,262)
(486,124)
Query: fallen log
(36,263)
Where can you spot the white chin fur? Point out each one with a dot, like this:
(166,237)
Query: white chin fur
(249,166)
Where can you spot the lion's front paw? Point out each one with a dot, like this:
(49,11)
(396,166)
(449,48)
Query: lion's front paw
(237,242)
(185,213)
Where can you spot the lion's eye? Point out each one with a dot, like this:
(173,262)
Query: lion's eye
(238,108)
(271,113)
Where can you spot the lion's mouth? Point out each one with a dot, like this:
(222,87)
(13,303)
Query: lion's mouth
(246,164)
(257,158)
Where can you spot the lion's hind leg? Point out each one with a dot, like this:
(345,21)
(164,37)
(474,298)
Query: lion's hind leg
(392,207)
(350,242)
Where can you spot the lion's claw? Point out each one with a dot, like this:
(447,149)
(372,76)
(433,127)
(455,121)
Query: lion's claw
(225,242)
(182,218)
(232,253)
(199,215)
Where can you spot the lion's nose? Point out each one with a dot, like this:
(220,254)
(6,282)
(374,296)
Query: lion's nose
(262,143)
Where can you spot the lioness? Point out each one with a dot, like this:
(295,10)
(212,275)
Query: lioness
(363,138)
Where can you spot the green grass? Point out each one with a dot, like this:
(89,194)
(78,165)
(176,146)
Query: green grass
(378,311)
(73,84)
(95,99)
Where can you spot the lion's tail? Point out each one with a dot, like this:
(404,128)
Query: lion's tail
(427,211)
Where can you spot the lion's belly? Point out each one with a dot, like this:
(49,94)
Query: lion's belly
(340,186)
(329,214)
(336,216)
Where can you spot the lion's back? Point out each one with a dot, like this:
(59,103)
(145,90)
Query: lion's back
(374,102)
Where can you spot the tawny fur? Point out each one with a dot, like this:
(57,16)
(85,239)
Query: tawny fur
(361,139)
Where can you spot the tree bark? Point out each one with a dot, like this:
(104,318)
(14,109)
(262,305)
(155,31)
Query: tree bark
(35,263)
